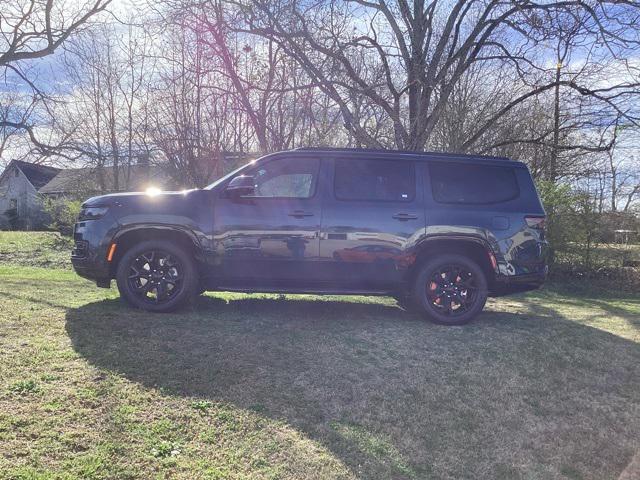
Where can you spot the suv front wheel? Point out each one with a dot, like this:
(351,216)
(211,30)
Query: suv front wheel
(157,275)
(450,289)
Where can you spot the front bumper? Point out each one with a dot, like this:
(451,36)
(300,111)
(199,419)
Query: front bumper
(89,256)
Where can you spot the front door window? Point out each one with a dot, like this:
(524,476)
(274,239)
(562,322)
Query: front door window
(286,178)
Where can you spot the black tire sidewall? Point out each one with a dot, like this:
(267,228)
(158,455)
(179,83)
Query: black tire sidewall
(425,273)
(407,303)
(189,286)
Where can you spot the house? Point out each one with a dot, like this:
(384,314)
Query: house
(24,186)
(87,182)
(20,204)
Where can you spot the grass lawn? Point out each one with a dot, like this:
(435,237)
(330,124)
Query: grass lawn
(544,385)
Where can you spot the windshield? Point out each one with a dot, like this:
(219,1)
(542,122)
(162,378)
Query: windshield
(227,176)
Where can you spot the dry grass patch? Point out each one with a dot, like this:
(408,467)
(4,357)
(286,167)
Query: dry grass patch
(541,386)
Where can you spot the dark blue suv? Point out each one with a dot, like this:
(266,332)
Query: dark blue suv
(439,232)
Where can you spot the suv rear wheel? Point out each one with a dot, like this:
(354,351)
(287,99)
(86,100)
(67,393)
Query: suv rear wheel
(157,275)
(450,289)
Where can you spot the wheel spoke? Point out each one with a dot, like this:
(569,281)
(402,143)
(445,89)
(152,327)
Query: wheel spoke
(446,304)
(142,287)
(459,300)
(168,261)
(148,258)
(467,285)
(161,291)
(137,273)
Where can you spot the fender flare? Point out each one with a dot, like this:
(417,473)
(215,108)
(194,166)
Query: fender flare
(160,227)
(477,239)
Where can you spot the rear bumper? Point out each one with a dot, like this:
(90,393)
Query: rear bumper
(506,285)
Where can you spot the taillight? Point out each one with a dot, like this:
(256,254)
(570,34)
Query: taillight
(535,222)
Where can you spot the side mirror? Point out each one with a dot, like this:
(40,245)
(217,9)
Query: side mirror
(240,186)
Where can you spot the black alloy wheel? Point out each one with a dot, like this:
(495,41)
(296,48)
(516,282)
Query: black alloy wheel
(451,289)
(157,276)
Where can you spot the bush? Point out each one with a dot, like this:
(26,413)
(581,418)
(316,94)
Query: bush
(557,201)
(574,225)
(63,214)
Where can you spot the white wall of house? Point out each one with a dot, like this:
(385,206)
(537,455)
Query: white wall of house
(15,187)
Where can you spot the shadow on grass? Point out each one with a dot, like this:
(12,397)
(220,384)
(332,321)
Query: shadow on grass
(511,395)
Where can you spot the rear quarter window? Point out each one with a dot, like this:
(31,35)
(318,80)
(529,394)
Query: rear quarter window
(460,183)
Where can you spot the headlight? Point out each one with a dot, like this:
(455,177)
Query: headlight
(91,213)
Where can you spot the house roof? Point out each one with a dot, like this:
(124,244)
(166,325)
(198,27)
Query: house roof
(38,175)
(86,180)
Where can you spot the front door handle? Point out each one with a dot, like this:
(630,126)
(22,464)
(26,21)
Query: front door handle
(300,214)
(403,217)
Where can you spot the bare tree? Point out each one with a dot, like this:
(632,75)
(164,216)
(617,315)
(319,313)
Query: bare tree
(405,59)
(622,173)
(11,110)
(189,115)
(104,116)
(31,30)
(274,94)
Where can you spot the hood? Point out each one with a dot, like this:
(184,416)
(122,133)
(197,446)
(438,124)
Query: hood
(139,198)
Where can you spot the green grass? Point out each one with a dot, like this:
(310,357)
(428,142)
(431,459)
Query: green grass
(36,249)
(541,386)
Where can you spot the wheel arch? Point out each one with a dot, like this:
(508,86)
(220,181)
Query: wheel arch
(477,249)
(129,237)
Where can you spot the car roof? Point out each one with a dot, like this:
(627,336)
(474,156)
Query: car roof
(406,155)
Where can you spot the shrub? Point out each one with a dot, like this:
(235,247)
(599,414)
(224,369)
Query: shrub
(63,213)
(557,201)
(574,225)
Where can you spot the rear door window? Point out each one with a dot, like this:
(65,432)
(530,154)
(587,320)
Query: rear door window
(453,182)
(377,180)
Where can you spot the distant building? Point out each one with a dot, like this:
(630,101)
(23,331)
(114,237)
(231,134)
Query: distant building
(24,185)
(87,182)
(20,204)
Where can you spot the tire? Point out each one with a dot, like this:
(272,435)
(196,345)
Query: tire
(450,289)
(157,276)
(406,303)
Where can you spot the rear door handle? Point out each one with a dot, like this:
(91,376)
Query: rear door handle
(300,214)
(403,217)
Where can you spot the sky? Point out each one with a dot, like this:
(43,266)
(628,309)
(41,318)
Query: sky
(49,72)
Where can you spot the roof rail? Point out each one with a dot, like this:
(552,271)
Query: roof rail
(407,152)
